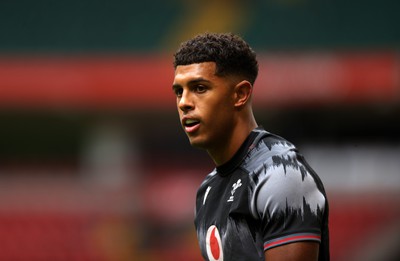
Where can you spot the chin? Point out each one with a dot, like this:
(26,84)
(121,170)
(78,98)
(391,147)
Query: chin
(197,143)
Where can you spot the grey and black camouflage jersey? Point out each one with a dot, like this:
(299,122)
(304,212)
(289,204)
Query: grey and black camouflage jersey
(264,197)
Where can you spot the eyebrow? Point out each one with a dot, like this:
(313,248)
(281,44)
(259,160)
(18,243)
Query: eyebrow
(191,82)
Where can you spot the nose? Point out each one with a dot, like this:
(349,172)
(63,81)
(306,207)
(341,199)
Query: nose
(185,102)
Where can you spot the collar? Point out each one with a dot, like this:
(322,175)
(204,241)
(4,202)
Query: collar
(228,167)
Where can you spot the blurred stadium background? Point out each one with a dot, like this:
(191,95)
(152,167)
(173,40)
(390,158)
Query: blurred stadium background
(94,165)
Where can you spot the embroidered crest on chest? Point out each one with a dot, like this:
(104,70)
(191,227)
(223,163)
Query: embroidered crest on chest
(235,186)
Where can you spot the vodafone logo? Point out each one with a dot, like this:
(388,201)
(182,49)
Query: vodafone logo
(213,244)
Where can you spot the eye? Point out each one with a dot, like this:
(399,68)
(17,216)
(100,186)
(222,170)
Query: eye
(178,92)
(200,88)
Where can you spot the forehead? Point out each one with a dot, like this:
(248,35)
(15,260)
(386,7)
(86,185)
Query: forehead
(204,70)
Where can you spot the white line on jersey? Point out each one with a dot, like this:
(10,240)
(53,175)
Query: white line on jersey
(206,194)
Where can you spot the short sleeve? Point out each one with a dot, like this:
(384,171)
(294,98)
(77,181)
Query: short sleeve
(290,205)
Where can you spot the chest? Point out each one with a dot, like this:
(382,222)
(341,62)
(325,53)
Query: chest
(221,197)
(223,221)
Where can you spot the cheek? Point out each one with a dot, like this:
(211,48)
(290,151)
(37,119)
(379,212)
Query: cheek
(219,116)
(217,110)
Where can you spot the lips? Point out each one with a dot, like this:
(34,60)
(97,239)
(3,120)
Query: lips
(190,125)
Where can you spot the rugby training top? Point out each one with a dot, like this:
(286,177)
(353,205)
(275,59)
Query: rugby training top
(264,197)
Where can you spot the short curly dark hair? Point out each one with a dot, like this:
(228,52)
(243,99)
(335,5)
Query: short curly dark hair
(232,55)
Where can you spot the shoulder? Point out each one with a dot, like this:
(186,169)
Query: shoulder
(267,149)
(281,179)
(208,179)
(287,186)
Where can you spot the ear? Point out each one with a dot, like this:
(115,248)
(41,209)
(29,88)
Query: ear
(243,92)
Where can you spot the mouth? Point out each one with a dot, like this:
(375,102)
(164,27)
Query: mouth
(190,125)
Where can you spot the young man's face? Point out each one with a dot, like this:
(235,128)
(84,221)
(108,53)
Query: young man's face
(205,104)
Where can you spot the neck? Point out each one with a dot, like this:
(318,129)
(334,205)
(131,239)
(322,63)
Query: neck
(222,154)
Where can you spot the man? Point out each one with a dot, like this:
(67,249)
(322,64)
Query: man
(262,201)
